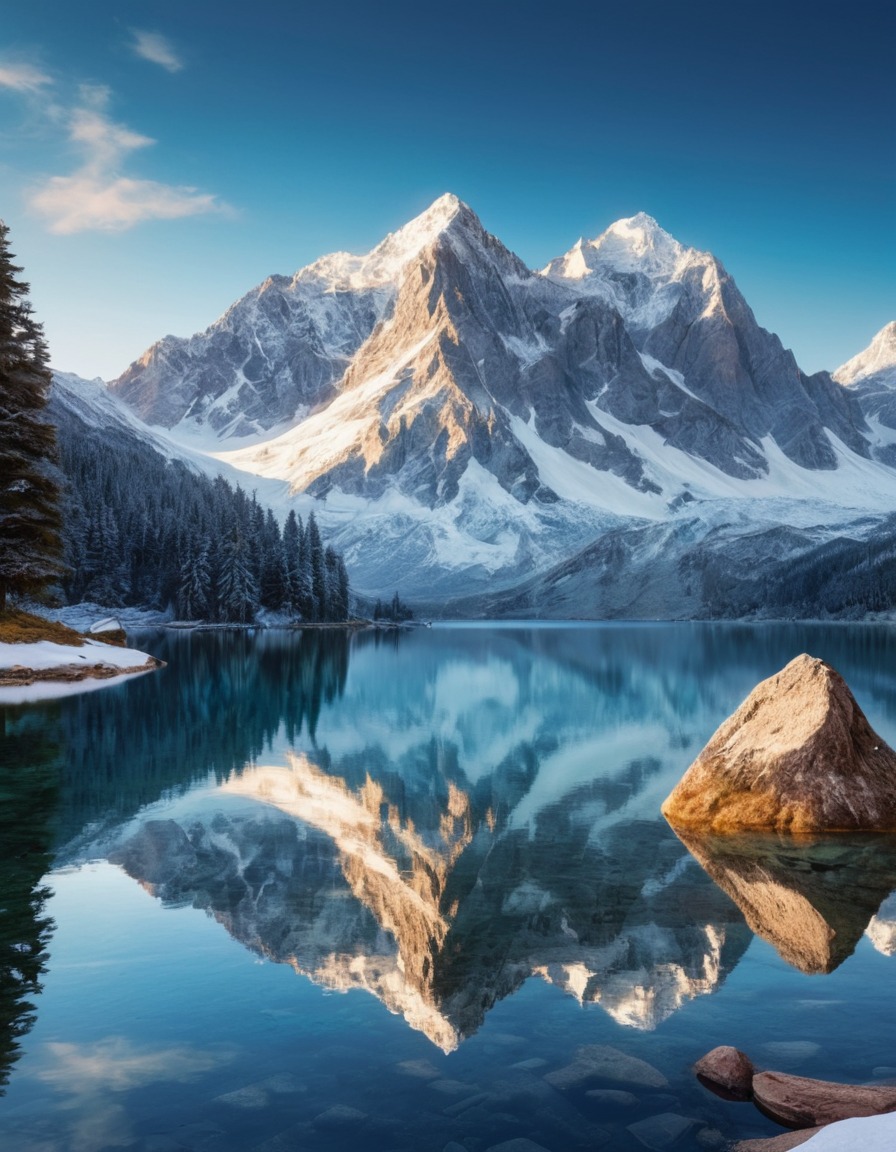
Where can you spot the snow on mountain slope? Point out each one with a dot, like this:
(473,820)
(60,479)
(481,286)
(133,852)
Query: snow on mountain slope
(77,404)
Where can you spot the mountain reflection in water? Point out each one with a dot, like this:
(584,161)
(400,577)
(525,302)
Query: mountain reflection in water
(437,818)
(440,920)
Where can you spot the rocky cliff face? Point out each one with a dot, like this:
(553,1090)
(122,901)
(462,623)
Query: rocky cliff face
(797,756)
(722,384)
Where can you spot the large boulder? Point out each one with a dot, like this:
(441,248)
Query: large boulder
(797,756)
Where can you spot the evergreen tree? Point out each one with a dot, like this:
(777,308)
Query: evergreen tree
(274,593)
(30,545)
(237,590)
(194,594)
(292,556)
(315,554)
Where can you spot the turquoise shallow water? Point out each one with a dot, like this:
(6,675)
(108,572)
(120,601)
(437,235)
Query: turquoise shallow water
(403,892)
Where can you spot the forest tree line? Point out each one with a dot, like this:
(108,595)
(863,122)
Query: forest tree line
(140,530)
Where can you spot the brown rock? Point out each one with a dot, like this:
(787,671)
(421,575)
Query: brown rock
(782,1143)
(729,1068)
(800,1102)
(810,897)
(797,756)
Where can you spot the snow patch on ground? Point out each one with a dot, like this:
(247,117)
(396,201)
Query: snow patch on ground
(870,1133)
(45,654)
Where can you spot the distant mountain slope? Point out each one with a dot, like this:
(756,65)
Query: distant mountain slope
(871,378)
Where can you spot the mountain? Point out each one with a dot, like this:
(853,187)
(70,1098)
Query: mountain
(692,326)
(462,424)
(871,378)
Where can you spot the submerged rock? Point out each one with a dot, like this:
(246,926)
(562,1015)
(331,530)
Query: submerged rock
(800,1102)
(612,1097)
(661,1131)
(603,1062)
(798,756)
(782,1143)
(728,1068)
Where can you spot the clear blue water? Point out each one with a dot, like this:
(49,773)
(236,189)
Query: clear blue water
(332,892)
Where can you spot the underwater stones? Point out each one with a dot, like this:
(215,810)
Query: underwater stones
(339,1116)
(420,1069)
(710,1138)
(661,1131)
(612,1097)
(603,1062)
(800,1102)
(728,1068)
(797,756)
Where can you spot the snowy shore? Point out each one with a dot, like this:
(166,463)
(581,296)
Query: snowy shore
(43,661)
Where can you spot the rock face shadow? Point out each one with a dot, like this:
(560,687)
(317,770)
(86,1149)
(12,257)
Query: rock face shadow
(811,898)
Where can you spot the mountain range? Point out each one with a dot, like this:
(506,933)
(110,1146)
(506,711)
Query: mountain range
(613,435)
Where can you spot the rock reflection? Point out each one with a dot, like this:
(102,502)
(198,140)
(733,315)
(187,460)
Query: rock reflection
(811,898)
(442,914)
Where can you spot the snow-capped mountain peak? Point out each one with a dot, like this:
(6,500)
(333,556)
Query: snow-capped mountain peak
(877,362)
(638,243)
(633,244)
(384,264)
(638,268)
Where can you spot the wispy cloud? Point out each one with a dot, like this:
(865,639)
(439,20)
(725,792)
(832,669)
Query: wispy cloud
(154,47)
(22,77)
(99,195)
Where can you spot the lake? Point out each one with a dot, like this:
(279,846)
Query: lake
(412,891)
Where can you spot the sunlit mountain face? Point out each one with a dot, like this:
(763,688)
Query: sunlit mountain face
(438,819)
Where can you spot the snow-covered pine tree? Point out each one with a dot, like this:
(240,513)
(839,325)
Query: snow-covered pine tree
(237,590)
(336,584)
(194,595)
(273,569)
(315,554)
(292,557)
(30,544)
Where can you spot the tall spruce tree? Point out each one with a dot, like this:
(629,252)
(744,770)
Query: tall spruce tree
(30,545)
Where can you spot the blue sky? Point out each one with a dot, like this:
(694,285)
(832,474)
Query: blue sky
(159,159)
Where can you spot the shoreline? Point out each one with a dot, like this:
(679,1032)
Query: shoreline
(18,676)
